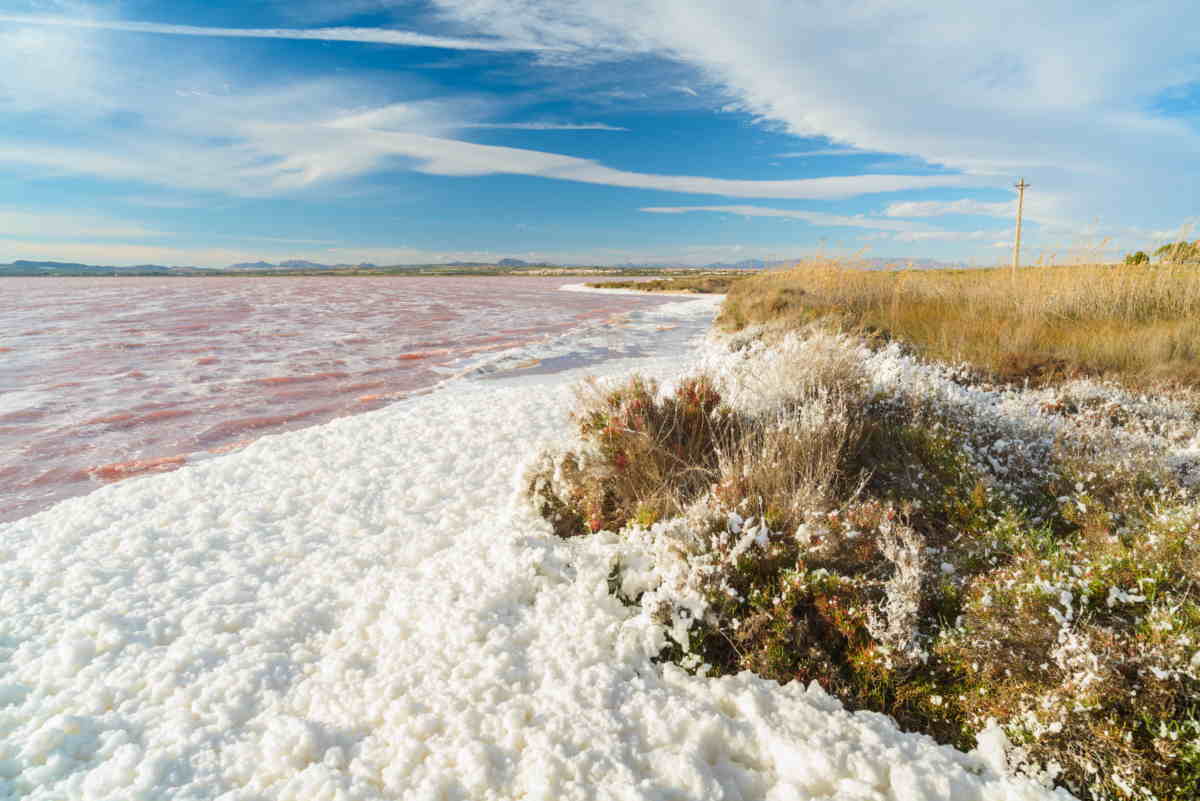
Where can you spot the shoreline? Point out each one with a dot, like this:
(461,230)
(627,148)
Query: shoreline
(430,271)
(108,380)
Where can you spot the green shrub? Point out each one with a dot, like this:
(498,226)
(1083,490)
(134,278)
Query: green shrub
(1182,252)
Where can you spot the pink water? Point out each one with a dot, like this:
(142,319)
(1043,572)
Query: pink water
(106,378)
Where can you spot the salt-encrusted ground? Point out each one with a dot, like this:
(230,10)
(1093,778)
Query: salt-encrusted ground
(362,610)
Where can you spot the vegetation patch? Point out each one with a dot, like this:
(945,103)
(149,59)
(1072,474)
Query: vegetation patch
(1019,567)
(698,285)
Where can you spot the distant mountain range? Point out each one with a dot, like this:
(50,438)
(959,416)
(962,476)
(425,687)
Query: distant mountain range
(25,267)
(66,268)
(297,264)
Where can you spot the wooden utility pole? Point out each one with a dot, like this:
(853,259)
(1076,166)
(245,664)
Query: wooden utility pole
(1021,187)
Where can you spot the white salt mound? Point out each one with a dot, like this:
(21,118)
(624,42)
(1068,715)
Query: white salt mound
(361,610)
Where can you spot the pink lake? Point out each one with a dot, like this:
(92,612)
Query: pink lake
(102,379)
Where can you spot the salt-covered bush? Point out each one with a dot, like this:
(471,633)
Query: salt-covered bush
(1086,655)
(1019,565)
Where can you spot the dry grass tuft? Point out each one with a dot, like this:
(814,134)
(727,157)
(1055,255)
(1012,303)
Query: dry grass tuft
(644,456)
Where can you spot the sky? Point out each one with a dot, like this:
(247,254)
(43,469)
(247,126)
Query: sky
(202,132)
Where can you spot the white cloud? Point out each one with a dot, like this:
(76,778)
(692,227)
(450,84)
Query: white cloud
(129,253)
(26,84)
(893,229)
(814,217)
(166,201)
(822,151)
(382,36)
(947,236)
(59,226)
(119,254)
(201,129)
(1057,92)
(546,126)
(271,157)
(937,208)
(313,155)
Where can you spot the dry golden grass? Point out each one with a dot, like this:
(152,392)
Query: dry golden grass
(1137,324)
(647,458)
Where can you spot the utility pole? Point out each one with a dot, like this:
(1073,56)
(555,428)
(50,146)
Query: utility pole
(1021,187)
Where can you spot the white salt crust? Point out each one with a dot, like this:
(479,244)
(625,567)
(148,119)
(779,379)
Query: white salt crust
(363,610)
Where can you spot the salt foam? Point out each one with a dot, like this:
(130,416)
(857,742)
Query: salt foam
(362,610)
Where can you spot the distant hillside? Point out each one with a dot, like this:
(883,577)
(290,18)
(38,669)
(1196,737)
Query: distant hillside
(295,264)
(24,267)
(522,263)
(746,264)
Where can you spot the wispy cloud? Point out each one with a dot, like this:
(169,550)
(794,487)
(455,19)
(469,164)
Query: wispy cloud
(308,155)
(65,227)
(1071,107)
(812,217)
(131,253)
(546,126)
(937,208)
(949,236)
(252,140)
(271,158)
(380,36)
(165,202)
(823,151)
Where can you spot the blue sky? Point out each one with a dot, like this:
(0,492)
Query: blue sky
(592,131)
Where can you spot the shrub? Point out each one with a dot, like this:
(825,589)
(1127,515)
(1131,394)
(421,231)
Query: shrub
(694,284)
(644,457)
(1134,259)
(1182,252)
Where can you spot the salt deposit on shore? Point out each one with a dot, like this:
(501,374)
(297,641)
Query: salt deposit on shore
(363,610)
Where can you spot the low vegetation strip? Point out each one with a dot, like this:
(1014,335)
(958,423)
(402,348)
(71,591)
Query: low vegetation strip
(1137,324)
(699,285)
(1009,568)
